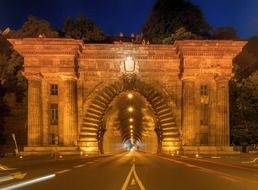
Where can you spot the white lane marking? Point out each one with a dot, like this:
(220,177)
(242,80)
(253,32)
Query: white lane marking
(63,171)
(252,161)
(79,166)
(17,175)
(28,182)
(3,167)
(132,174)
(90,162)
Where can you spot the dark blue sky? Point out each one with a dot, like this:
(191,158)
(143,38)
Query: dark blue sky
(127,16)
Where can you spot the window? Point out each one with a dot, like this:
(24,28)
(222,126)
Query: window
(204,90)
(204,114)
(53,112)
(53,89)
(204,138)
(53,139)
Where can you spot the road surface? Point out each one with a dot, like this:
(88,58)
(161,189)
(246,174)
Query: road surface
(128,171)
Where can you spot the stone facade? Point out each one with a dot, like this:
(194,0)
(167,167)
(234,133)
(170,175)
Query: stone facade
(66,76)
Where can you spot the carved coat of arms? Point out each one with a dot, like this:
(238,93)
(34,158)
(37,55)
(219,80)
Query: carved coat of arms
(129,66)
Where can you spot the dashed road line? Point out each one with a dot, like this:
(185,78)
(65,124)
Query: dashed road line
(79,166)
(91,162)
(63,171)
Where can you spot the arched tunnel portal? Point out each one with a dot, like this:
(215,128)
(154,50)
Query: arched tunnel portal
(128,113)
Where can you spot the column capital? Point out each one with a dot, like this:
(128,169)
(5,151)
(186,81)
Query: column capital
(33,75)
(68,76)
(188,78)
(222,78)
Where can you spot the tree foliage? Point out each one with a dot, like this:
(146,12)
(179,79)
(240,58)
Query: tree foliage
(33,27)
(246,62)
(180,34)
(244,110)
(84,29)
(168,16)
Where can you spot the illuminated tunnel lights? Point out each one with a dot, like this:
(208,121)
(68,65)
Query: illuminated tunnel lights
(130,95)
(130,109)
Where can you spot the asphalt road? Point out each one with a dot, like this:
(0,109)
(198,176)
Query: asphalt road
(128,171)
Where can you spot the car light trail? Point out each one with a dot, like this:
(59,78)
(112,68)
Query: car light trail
(28,182)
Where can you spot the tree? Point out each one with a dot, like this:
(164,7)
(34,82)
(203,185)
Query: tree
(168,16)
(83,28)
(180,34)
(246,62)
(225,33)
(33,27)
(244,110)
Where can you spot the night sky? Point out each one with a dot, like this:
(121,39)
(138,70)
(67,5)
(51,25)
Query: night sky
(127,16)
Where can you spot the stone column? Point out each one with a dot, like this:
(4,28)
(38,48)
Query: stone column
(222,121)
(34,111)
(45,113)
(188,112)
(70,124)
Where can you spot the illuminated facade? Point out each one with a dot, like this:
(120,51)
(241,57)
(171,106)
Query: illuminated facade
(71,86)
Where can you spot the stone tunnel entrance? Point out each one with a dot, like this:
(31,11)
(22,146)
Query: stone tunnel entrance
(78,95)
(128,113)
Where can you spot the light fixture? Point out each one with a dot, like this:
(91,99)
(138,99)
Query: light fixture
(130,95)
(130,109)
(131,119)
(131,131)
(131,126)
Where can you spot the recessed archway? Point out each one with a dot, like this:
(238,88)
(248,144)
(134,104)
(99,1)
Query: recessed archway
(93,128)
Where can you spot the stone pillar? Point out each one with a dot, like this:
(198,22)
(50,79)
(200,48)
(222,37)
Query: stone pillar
(222,121)
(70,124)
(45,113)
(34,111)
(188,112)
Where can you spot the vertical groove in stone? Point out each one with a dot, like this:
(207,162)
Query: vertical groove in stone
(70,116)
(222,123)
(188,112)
(34,113)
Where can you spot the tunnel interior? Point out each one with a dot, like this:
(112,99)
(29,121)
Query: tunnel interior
(129,123)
